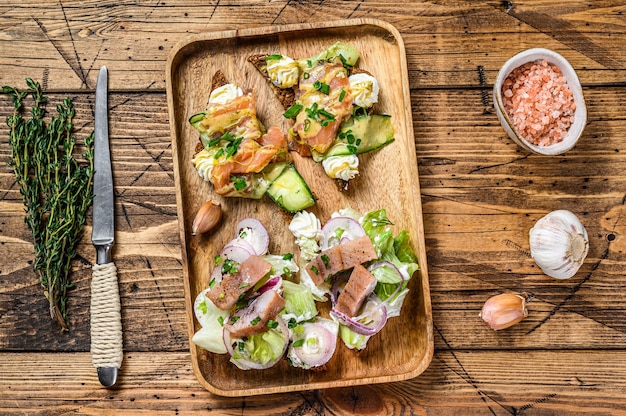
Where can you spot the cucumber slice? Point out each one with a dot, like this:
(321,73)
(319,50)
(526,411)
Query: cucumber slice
(196,119)
(290,191)
(273,170)
(360,134)
(195,122)
(349,53)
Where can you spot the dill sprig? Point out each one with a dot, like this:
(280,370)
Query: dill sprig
(56,188)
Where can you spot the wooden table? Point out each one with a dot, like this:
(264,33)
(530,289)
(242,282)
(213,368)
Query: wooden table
(480,193)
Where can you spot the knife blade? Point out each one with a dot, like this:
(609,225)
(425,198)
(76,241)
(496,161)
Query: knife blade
(105,312)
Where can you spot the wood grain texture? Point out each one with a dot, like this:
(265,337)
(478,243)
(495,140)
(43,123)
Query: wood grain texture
(68,42)
(480,196)
(456,383)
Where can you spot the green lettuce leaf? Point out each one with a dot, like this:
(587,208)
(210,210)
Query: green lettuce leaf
(395,250)
(352,339)
(209,336)
(265,347)
(299,302)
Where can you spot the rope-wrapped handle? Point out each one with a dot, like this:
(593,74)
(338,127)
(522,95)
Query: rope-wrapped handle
(106,319)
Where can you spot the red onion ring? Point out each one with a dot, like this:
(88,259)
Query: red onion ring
(274,283)
(237,250)
(358,327)
(344,240)
(352,229)
(259,238)
(327,341)
(247,364)
(339,283)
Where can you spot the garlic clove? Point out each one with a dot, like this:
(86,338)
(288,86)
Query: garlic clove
(207,217)
(504,310)
(559,244)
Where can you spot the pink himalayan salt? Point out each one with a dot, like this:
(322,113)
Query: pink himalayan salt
(539,102)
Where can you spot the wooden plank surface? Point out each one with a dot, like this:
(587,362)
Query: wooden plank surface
(459,383)
(480,196)
(68,42)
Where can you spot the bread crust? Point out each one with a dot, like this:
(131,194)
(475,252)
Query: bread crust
(286,96)
(218,80)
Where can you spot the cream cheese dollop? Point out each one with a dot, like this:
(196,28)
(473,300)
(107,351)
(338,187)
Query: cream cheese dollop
(224,94)
(365,89)
(283,72)
(341,167)
(204,162)
(306,225)
(307,230)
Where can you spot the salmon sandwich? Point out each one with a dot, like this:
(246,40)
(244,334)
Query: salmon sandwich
(239,156)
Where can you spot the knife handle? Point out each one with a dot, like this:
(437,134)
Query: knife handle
(106,320)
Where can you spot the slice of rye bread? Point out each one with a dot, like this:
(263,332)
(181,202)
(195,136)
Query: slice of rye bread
(218,80)
(286,96)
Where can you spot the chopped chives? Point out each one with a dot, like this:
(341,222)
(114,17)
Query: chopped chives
(293,111)
(321,87)
(273,57)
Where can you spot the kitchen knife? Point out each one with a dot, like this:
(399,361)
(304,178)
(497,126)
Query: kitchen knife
(106,322)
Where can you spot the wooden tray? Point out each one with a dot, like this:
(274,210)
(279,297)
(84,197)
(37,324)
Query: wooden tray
(388,179)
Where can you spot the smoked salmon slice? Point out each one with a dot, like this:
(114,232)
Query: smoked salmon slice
(250,157)
(237,116)
(274,137)
(324,94)
(248,150)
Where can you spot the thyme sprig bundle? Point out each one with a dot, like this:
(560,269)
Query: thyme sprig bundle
(55,186)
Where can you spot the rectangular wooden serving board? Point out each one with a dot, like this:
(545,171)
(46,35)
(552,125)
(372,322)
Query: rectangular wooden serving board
(388,179)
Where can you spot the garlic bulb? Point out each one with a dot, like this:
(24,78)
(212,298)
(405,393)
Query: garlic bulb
(559,244)
(504,310)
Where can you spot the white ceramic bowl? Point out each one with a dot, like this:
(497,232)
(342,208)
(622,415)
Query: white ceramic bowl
(580,114)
